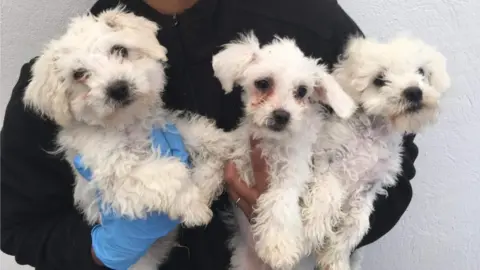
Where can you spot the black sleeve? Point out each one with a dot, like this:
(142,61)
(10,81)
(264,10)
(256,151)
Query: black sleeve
(387,209)
(40,225)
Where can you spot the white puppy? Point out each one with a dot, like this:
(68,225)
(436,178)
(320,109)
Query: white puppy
(397,85)
(277,80)
(102,83)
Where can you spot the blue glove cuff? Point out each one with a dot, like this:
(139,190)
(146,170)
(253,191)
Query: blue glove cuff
(120,242)
(112,256)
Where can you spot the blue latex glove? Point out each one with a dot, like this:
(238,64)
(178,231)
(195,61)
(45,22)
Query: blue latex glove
(120,242)
(170,142)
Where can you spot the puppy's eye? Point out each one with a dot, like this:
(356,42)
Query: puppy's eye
(421,71)
(301,92)
(80,74)
(119,50)
(379,81)
(263,84)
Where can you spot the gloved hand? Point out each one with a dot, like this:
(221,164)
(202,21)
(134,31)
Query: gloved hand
(120,242)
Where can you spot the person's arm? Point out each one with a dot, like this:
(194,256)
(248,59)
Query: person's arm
(39,223)
(387,209)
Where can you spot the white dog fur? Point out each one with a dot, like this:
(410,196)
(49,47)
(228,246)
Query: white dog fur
(275,77)
(102,83)
(357,158)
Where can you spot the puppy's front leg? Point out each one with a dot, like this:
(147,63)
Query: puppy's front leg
(321,208)
(350,231)
(208,147)
(154,184)
(277,227)
(208,176)
(192,206)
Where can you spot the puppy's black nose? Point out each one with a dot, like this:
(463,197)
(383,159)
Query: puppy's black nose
(281,116)
(413,94)
(119,91)
(279,120)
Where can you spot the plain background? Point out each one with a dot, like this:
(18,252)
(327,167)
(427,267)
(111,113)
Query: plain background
(441,229)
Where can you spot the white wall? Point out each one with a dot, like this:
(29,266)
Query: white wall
(441,229)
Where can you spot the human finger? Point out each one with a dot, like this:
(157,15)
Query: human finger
(238,185)
(259,167)
(246,208)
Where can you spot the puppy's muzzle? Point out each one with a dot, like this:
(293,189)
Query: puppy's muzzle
(278,120)
(414,97)
(119,92)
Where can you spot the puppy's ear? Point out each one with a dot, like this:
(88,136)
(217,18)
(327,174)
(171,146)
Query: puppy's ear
(148,44)
(230,63)
(141,28)
(350,63)
(355,45)
(436,71)
(156,50)
(46,93)
(329,91)
(119,18)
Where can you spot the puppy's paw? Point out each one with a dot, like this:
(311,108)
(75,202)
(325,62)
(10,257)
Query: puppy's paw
(314,231)
(333,259)
(197,215)
(277,229)
(192,207)
(280,251)
(318,224)
(278,247)
(157,183)
(338,265)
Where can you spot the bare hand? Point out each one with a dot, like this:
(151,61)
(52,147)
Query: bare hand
(245,196)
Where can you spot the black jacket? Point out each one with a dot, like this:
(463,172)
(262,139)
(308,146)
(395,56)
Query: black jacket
(40,225)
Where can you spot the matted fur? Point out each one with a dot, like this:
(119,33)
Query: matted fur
(276,231)
(357,158)
(70,85)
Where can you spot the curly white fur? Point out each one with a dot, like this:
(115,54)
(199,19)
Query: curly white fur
(102,82)
(275,77)
(357,158)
